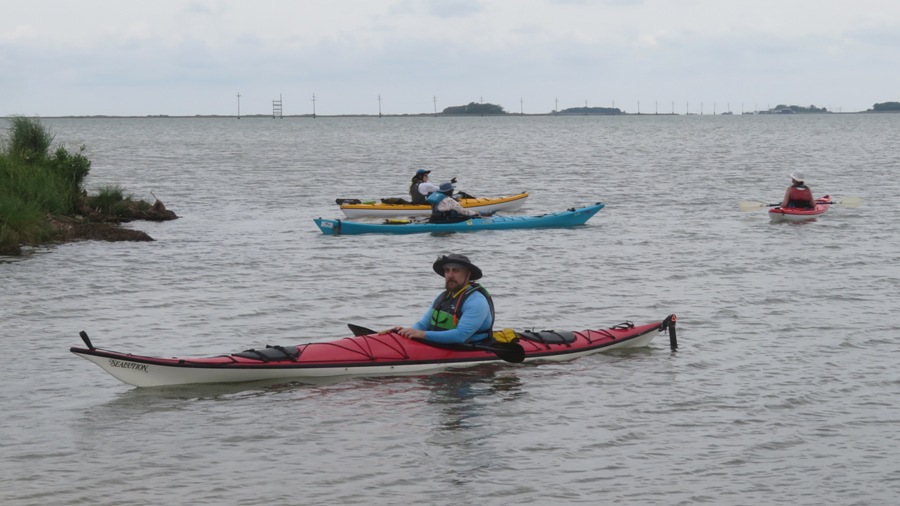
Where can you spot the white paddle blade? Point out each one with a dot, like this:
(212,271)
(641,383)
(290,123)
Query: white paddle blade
(752,205)
(851,202)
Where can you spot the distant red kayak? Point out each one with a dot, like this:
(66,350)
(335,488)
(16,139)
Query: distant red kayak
(366,355)
(778,214)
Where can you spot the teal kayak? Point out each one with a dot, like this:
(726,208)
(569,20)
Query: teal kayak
(568,218)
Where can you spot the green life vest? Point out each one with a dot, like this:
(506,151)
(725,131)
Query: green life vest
(447,310)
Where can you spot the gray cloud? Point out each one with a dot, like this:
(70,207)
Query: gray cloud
(126,62)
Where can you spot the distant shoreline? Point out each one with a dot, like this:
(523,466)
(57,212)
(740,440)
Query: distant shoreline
(424,115)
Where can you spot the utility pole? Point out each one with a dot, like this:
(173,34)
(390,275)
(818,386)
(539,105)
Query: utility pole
(314,105)
(379,105)
(521,105)
(435,105)
(239,104)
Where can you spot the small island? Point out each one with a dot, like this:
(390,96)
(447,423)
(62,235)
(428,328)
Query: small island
(795,109)
(474,109)
(43,200)
(482,109)
(613,111)
(885,107)
(485,109)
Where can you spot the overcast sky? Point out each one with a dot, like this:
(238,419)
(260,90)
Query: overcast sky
(114,57)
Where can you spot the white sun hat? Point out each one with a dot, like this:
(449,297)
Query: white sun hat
(797,175)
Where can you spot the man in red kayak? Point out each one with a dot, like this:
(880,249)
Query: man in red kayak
(798,195)
(462,313)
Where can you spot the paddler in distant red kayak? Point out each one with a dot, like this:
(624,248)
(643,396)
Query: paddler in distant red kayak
(462,313)
(798,195)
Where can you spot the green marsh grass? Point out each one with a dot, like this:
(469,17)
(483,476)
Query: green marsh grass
(111,200)
(35,183)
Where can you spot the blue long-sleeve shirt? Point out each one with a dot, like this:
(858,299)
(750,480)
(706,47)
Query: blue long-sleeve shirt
(476,319)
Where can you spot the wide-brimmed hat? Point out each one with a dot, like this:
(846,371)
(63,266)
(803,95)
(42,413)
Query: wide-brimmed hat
(797,175)
(422,172)
(446,187)
(453,258)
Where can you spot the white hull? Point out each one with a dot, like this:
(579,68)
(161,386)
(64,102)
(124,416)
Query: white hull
(794,218)
(139,373)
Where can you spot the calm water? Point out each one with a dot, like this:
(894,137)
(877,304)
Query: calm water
(783,391)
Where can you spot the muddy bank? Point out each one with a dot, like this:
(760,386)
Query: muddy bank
(70,229)
(93,224)
(125,211)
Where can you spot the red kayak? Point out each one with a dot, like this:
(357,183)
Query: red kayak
(778,214)
(371,354)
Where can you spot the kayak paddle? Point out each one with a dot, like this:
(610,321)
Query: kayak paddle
(753,205)
(510,352)
(361,331)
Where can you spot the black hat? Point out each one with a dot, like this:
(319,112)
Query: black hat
(475,272)
(422,172)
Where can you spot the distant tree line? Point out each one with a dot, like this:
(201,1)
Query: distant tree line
(886,107)
(791,109)
(591,110)
(473,108)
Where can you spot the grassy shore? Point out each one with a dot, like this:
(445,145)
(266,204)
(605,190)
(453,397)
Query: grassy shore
(42,195)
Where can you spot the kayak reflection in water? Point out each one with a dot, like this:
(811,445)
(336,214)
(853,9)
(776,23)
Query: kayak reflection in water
(462,313)
(798,195)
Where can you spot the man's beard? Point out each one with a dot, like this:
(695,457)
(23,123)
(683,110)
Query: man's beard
(451,285)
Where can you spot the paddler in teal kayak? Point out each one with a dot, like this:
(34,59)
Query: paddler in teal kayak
(462,313)
(798,195)
(446,209)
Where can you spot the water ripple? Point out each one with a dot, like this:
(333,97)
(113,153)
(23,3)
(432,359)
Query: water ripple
(779,393)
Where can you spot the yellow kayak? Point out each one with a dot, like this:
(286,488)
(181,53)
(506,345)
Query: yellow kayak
(353,208)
